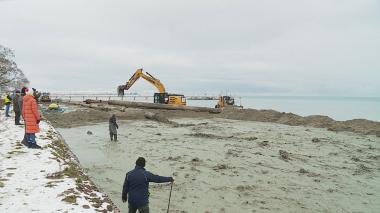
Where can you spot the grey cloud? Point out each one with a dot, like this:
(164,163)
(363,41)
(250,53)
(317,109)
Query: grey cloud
(325,47)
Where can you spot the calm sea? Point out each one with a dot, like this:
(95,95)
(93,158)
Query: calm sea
(338,108)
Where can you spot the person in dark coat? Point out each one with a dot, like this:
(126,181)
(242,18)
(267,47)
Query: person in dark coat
(113,127)
(36,94)
(17,107)
(136,187)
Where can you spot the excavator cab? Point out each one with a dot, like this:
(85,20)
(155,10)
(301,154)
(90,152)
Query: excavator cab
(160,98)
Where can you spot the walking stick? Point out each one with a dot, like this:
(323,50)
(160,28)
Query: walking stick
(171,188)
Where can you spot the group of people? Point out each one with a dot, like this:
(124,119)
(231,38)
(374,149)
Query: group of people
(25,104)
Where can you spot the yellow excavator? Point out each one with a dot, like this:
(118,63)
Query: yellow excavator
(161,96)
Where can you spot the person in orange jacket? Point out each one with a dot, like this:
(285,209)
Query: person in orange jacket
(32,119)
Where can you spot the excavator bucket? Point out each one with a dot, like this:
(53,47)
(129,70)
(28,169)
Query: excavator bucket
(120,90)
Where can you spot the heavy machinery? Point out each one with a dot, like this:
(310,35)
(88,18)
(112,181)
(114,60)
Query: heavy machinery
(161,96)
(227,102)
(45,97)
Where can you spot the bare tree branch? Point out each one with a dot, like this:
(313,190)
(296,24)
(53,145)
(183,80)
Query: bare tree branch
(10,75)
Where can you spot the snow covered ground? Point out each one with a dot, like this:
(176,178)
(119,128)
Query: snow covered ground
(43,180)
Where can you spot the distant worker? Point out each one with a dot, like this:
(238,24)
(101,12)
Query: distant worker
(32,119)
(7,103)
(113,127)
(136,187)
(17,107)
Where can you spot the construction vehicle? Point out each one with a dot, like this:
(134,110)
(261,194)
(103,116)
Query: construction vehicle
(45,97)
(161,96)
(53,106)
(227,102)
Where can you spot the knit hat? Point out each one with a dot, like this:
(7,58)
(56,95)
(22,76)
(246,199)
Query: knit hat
(23,91)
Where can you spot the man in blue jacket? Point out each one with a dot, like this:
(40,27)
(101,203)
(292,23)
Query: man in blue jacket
(136,185)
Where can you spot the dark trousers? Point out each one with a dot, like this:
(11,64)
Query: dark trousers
(113,136)
(7,107)
(17,118)
(142,209)
(25,139)
(31,137)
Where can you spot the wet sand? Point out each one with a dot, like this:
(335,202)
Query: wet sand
(223,165)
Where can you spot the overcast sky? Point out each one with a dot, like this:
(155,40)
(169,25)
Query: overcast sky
(292,47)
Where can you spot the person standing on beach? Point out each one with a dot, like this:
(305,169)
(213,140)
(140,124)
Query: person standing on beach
(136,187)
(7,103)
(17,105)
(32,119)
(113,127)
(36,94)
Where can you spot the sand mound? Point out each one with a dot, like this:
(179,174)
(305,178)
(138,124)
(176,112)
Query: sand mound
(156,117)
(358,126)
(361,126)
(101,113)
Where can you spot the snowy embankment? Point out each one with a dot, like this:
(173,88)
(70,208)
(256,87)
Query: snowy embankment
(43,180)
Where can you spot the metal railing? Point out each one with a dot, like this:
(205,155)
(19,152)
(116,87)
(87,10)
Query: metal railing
(82,97)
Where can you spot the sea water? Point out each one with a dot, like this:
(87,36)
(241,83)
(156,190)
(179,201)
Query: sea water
(338,108)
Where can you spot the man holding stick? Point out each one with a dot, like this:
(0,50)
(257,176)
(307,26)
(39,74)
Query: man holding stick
(136,187)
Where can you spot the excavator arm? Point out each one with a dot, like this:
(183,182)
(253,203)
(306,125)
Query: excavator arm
(139,73)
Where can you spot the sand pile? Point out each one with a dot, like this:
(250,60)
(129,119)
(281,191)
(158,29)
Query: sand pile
(358,126)
(361,126)
(94,113)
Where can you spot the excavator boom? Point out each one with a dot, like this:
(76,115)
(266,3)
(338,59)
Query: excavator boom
(139,73)
(161,97)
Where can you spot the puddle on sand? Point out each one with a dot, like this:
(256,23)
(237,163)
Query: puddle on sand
(103,160)
(107,161)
